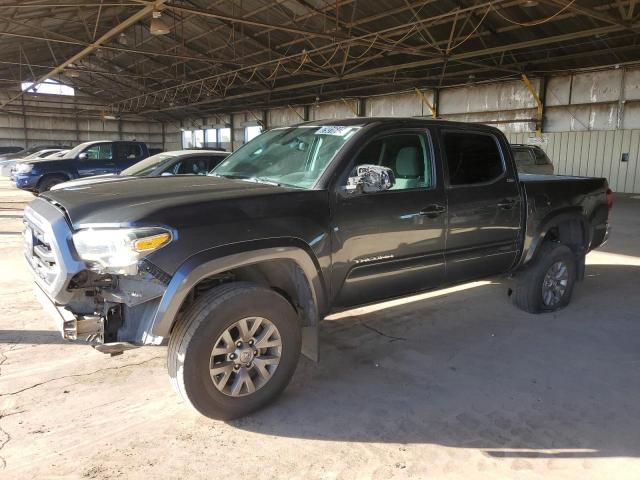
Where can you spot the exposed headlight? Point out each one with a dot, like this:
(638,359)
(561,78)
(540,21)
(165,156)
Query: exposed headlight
(24,167)
(118,250)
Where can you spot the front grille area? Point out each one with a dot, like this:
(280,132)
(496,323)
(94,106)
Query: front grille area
(48,249)
(40,254)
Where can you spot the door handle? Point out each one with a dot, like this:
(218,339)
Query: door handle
(433,211)
(506,204)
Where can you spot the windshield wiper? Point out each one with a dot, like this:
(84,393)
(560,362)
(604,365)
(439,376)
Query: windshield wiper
(224,175)
(265,180)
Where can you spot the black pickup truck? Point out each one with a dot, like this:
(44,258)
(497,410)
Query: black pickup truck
(236,269)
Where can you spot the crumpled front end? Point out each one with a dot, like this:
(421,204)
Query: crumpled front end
(111,312)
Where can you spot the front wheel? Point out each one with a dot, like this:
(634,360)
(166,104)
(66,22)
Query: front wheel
(234,350)
(547,284)
(49,181)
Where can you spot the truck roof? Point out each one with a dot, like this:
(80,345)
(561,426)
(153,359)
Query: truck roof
(411,121)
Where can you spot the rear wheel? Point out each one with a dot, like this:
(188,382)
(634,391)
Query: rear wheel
(49,181)
(547,284)
(234,350)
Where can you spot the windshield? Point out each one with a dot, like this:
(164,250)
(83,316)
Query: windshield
(148,165)
(77,150)
(34,154)
(287,156)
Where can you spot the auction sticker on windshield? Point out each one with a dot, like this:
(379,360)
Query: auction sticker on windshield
(334,130)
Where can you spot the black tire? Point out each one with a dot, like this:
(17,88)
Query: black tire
(49,181)
(192,341)
(527,292)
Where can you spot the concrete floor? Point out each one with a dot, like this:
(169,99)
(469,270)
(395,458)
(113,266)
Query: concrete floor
(453,384)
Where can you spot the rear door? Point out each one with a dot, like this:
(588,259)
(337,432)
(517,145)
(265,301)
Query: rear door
(98,160)
(390,243)
(127,154)
(483,202)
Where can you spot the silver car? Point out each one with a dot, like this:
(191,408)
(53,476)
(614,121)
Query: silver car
(180,162)
(6,166)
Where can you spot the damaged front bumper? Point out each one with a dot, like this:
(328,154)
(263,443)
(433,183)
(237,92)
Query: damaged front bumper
(109,312)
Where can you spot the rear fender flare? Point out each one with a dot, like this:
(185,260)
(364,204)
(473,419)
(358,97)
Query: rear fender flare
(554,219)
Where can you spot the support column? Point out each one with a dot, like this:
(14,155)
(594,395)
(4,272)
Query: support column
(423,98)
(362,107)
(436,102)
(75,116)
(540,105)
(24,125)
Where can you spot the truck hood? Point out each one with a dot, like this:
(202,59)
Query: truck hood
(45,162)
(81,182)
(173,201)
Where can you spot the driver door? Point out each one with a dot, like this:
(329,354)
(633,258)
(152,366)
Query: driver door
(98,160)
(390,243)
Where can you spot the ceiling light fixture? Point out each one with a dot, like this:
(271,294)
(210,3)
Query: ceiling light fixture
(123,39)
(71,73)
(530,3)
(157,25)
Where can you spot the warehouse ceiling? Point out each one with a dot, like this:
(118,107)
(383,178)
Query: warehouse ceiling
(221,56)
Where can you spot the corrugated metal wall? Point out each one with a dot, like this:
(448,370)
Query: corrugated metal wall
(594,154)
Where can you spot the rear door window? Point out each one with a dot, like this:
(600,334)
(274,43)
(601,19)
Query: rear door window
(472,158)
(128,152)
(195,166)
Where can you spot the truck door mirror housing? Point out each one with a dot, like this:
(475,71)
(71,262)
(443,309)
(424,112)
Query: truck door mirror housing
(82,156)
(370,179)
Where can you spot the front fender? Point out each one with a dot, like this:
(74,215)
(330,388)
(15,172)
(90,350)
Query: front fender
(209,262)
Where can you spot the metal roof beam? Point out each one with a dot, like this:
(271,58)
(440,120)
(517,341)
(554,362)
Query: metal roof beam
(145,11)
(409,65)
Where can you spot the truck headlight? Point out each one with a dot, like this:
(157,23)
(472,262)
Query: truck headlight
(118,250)
(24,167)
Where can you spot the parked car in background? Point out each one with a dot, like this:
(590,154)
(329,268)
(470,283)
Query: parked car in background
(7,166)
(180,162)
(155,151)
(28,151)
(85,160)
(531,159)
(9,150)
(59,154)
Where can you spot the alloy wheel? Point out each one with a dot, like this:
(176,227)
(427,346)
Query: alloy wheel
(245,356)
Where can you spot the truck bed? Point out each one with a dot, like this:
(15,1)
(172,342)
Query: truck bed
(548,197)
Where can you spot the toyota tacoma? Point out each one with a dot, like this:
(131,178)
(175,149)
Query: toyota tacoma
(235,270)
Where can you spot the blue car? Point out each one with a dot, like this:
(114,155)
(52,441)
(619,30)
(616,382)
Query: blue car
(85,160)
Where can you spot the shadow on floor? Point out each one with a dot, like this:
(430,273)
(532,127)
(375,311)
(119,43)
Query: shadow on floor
(33,337)
(469,370)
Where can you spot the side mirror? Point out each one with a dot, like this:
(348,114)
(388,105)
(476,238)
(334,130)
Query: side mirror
(82,156)
(370,179)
